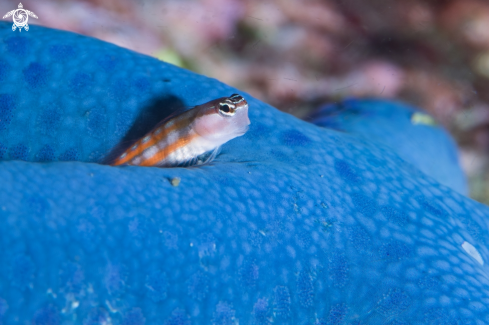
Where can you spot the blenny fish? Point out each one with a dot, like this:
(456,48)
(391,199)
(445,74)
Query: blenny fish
(189,138)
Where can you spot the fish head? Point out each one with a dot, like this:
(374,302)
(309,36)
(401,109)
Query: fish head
(222,119)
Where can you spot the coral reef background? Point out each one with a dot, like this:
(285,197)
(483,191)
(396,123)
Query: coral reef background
(296,55)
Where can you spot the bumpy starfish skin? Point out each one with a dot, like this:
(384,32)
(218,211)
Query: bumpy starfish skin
(292,223)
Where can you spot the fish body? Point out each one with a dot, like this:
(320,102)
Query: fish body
(185,137)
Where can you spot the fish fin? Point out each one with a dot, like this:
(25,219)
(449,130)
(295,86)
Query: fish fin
(212,156)
(202,159)
(191,162)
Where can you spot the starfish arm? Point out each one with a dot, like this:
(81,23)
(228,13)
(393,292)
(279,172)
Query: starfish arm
(10,13)
(30,13)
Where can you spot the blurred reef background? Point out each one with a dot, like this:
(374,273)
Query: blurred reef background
(299,54)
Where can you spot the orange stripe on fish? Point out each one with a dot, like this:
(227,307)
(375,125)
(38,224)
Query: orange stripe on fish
(159,133)
(190,134)
(164,153)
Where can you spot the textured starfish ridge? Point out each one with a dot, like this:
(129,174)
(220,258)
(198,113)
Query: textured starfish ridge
(292,223)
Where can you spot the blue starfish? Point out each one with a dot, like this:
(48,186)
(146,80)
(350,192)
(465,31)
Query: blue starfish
(410,132)
(292,223)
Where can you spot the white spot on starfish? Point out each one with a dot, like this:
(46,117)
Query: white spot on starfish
(472,251)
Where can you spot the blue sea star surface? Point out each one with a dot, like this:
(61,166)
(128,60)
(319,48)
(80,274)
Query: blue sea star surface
(410,132)
(293,223)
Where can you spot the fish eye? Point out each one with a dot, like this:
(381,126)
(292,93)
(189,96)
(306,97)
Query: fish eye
(226,109)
